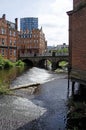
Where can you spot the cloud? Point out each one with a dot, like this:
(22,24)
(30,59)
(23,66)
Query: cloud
(55,23)
(51,14)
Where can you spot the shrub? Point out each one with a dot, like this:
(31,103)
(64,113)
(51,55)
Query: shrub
(8,64)
(1,62)
(5,63)
(19,63)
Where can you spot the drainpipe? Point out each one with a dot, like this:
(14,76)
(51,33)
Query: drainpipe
(69,70)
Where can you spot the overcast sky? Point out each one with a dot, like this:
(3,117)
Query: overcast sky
(51,14)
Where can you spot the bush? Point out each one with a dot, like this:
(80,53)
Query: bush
(8,64)
(1,62)
(5,63)
(19,63)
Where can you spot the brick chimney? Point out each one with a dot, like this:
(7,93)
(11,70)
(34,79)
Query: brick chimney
(78,3)
(4,16)
(16,23)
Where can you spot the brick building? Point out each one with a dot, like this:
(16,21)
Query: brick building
(77,41)
(8,39)
(32,43)
(14,43)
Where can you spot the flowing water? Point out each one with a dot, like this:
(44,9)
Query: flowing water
(44,108)
(35,75)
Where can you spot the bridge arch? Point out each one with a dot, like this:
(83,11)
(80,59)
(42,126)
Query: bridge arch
(28,62)
(44,63)
(59,61)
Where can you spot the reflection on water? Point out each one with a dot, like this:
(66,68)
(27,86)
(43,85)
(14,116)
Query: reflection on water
(7,75)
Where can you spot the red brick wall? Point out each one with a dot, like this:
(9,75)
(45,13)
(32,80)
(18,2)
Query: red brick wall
(9,51)
(36,44)
(78,35)
(78,2)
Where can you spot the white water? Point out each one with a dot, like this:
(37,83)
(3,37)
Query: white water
(33,75)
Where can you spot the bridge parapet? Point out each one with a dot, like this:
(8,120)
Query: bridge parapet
(42,55)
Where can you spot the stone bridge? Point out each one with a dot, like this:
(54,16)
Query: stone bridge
(41,61)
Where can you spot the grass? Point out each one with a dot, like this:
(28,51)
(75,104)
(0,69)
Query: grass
(4,90)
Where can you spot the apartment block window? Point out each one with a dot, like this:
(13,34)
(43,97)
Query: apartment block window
(3,41)
(14,43)
(3,31)
(14,34)
(30,35)
(6,51)
(30,41)
(23,36)
(2,51)
(10,33)
(10,51)
(34,41)
(37,41)
(10,42)
(14,52)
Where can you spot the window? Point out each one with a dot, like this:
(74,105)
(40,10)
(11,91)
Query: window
(3,31)
(6,51)
(14,43)
(37,41)
(14,52)
(10,42)
(30,41)
(30,35)
(2,51)
(3,41)
(34,41)
(10,32)
(14,34)
(10,51)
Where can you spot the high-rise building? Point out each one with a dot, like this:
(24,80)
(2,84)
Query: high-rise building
(28,23)
(32,39)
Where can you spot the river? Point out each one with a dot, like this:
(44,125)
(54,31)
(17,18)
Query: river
(40,108)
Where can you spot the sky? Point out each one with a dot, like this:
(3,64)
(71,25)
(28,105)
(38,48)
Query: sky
(52,16)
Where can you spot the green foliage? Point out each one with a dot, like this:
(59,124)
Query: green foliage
(1,62)
(4,89)
(8,64)
(64,51)
(49,62)
(63,63)
(19,63)
(5,63)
